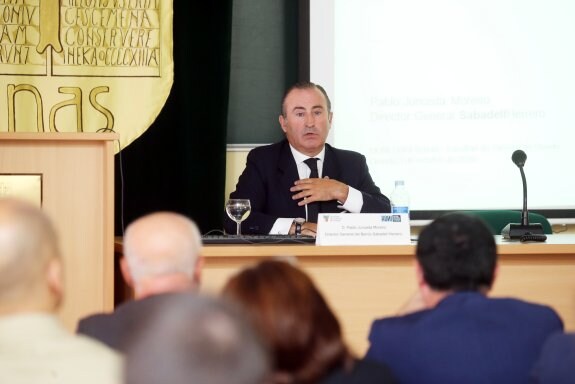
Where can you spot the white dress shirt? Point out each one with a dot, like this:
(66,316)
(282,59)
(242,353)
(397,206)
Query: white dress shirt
(353,204)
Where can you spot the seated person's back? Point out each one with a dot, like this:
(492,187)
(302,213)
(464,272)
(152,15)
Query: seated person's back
(461,335)
(556,364)
(34,345)
(303,334)
(191,339)
(161,257)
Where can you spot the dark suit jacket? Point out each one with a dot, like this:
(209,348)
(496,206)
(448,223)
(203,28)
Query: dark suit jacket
(115,329)
(556,364)
(363,372)
(270,173)
(467,338)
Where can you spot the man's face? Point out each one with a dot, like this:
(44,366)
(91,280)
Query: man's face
(307,121)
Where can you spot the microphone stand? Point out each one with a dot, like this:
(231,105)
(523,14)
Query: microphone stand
(524,212)
(523,231)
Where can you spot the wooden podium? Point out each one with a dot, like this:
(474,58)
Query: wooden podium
(77,181)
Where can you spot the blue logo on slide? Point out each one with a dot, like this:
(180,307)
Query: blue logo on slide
(391,218)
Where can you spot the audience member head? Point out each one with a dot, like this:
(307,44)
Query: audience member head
(162,254)
(194,339)
(306,117)
(30,266)
(303,333)
(457,252)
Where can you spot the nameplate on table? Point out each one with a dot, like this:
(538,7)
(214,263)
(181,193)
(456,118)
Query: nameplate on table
(362,229)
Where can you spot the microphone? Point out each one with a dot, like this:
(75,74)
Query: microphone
(523,230)
(519,158)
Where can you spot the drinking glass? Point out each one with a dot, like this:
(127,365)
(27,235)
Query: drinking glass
(238,210)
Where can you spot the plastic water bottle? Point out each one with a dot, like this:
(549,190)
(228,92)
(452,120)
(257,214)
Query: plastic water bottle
(400,198)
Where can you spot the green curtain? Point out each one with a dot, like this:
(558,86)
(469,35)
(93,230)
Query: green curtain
(178,164)
(264,62)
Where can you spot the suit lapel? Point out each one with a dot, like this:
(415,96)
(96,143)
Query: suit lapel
(288,174)
(331,167)
(332,170)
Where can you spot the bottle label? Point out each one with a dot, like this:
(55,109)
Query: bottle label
(396,209)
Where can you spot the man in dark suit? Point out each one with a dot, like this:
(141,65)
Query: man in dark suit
(161,257)
(458,334)
(556,365)
(283,185)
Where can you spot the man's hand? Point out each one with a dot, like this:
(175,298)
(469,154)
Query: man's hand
(310,190)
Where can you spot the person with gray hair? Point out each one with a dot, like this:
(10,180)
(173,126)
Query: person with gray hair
(200,340)
(34,345)
(161,256)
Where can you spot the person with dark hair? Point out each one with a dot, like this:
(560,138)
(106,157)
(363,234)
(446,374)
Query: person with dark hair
(288,183)
(161,256)
(199,340)
(303,334)
(458,334)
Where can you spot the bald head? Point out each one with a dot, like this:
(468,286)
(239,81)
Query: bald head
(162,253)
(28,250)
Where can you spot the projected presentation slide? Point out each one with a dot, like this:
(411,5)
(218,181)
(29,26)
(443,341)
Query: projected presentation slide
(439,93)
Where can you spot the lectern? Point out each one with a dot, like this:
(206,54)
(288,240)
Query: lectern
(77,192)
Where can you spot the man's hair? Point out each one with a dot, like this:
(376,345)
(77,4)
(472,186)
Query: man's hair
(305,85)
(303,333)
(457,252)
(162,243)
(194,339)
(28,242)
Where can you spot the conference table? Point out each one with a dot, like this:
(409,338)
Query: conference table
(362,283)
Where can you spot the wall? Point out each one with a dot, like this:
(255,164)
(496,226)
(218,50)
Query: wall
(235,164)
